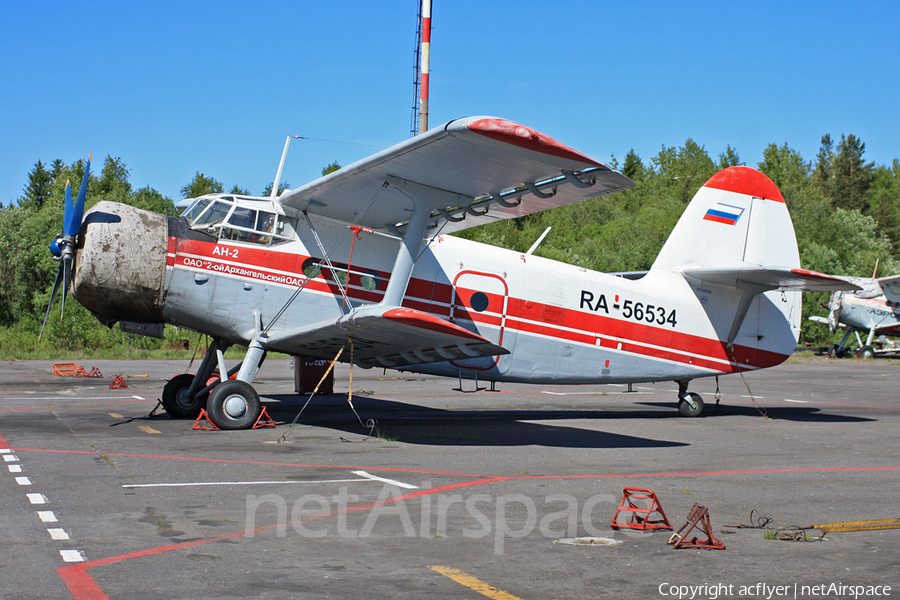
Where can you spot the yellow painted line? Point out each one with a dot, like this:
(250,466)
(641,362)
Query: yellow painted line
(116,416)
(148,429)
(473,583)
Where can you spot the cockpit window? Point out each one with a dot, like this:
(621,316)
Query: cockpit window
(241,219)
(214,214)
(195,209)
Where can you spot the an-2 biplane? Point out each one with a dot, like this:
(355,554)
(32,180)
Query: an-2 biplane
(873,309)
(362,255)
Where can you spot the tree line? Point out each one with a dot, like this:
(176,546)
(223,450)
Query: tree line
(846,212)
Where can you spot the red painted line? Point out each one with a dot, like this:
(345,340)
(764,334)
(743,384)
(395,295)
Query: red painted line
(707,473)
(3,442)
(83,587)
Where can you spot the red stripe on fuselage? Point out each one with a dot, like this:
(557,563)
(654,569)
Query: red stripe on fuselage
(527,317)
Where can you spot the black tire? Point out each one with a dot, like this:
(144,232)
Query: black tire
(176,400)
(685,409)
(233,404)
(867,352)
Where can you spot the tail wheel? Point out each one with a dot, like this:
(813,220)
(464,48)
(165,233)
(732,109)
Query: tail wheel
(177,402)
(691,405)
(233,405)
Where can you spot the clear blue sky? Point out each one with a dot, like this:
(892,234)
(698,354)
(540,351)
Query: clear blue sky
(178,87)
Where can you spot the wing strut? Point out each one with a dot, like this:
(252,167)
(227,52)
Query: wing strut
(409,251)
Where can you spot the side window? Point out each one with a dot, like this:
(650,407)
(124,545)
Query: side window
(242,223)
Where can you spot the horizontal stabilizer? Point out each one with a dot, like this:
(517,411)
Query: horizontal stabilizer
(773,278)
(390,337)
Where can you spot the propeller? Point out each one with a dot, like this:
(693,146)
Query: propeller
(63,247)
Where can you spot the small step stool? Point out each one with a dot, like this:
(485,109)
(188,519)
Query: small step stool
(640,515)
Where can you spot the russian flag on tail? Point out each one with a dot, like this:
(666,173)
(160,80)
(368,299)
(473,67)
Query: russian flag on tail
(723,213)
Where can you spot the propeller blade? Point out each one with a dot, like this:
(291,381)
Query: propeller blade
(59,277)
(69,209)
(67,281)
(73,224)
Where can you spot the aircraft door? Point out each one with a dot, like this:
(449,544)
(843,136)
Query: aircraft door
(480,302)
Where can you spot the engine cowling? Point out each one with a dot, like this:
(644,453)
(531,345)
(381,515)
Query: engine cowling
(120,267)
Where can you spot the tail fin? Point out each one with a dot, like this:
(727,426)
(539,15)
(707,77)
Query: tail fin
(735,245)
(737,219)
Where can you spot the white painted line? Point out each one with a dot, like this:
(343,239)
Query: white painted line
(58,534)
(10,458)
(15,468)
(47,516)
(754,397)
(37,498)
(384,480)
(797,401)
(72,555)
(138,397)
(199,483)
(5,450)
(571,393)
(23,481)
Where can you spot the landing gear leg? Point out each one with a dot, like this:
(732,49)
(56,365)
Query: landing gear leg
(184,395)
(690,404)
(234,404)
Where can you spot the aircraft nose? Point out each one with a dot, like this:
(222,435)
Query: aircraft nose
(120,271)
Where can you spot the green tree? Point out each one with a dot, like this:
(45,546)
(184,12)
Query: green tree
(334,166)
(200,185)
(851,175)
(729,158)
(633,168)
(239,191)
(37,191)
(113,179)
(281,188)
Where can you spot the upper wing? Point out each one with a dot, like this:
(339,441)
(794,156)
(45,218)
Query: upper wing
(891,287)
(470,171)
(388,337)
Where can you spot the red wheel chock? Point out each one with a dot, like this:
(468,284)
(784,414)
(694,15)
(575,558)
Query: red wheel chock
(203,422)
(118,384)
(204,417)
(264,420)
(95,372)
(699,515)
(640,515)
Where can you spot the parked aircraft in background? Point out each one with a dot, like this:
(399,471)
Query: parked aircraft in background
(873,310)
(360,259)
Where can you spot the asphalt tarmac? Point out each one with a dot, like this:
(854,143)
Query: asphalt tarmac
(419,491)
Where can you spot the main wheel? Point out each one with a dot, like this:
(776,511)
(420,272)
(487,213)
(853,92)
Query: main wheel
(867,352)
(685,408)
(233,405)
(177,402)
